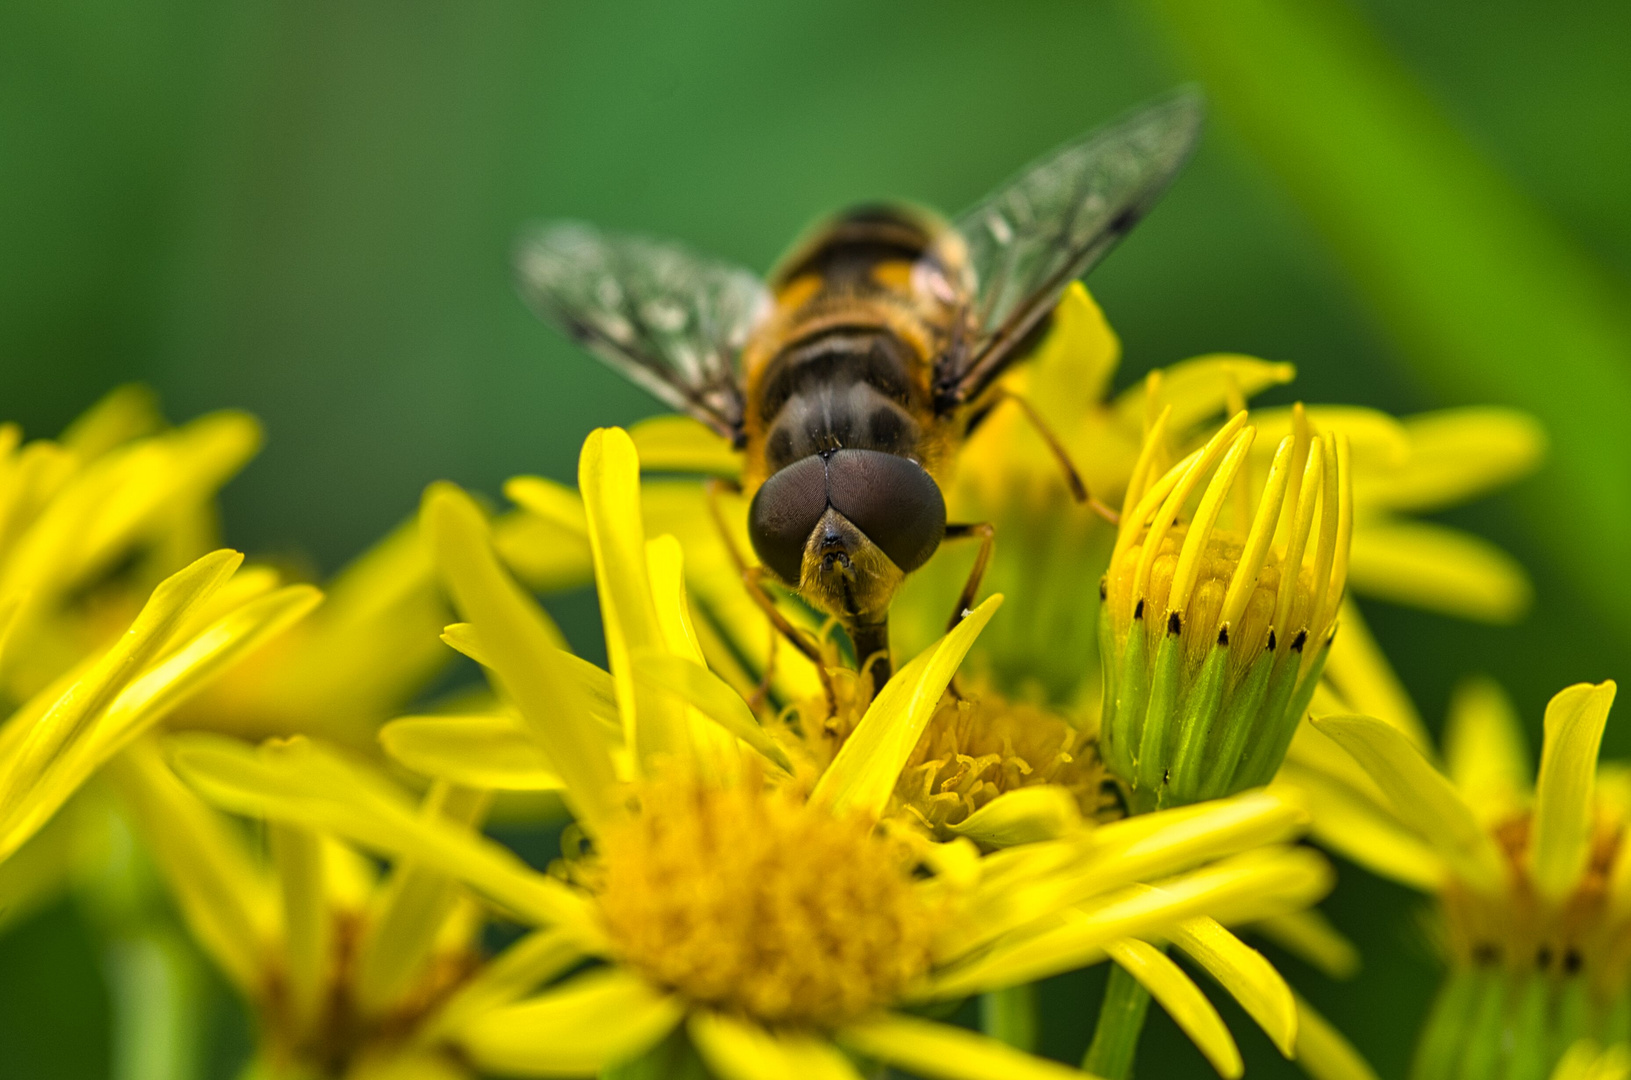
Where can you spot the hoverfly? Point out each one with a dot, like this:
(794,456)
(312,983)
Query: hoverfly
(852,375)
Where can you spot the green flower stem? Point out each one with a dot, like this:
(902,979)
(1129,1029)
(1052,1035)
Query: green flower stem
(1010,1016)
(1121,1021)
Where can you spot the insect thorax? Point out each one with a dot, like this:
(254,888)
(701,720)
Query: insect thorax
(864,309)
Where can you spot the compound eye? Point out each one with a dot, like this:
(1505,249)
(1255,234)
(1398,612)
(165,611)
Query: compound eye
(892,500)
(784,513)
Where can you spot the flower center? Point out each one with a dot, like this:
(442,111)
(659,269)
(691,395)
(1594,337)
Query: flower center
(753,902)
(1523,933)
(977,749)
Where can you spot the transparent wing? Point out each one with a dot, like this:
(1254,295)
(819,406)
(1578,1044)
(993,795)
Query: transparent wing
(1031,238)
(670,320)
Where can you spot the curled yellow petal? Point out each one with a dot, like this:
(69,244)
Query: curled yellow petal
(603,1018)
(1563,804)
(1182,1000)
(1023,816)
(1422,797)
(1246,974)
(861,777)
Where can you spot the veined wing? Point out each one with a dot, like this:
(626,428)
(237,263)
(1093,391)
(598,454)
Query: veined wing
(671,320)
(1050,225)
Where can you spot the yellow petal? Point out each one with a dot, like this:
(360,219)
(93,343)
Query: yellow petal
(1246,974)
(1484,752)
(1561,836)
(739,1050)
(227,902)
(1243,888)
(300,782)
(1310,937)
(609,478)
(482,751)
(187,669)
(1456,455)
(122,414)
(1363,831)
(534,960)
(418,908)
(297,854)
(1430,566)
(711,696)
(1022,884)
(862,776)
(1023,816)
(595,685)
(514,633)
(680,444)
(1182,1000)
(716,751)
(1322,1051)
(541,553)
(121,694)
(938,1050)
(1421,797)
(1071,369)
(603,1018)
(1201,387)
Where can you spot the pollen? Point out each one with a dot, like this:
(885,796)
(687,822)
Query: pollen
(983,746)
(753,902)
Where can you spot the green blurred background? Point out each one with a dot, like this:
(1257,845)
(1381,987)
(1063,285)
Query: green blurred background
(305,210)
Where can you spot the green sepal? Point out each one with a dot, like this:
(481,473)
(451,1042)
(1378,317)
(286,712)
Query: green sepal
(1236,722)
(1527,1031)
(1009,1015)
(1438,1051)
(1132,697)
(1283,684)
(1481,1040)
(1200,714)
(1617,1019)
(1573,1016)
(1281,726)
(1156,739)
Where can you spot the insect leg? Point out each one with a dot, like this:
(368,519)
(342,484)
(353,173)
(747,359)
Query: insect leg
(1073,479)
(987,533)
(753,577)
(753,580)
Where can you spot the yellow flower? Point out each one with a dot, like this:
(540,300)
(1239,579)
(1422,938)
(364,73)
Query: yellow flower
(1533,890)
(90,523)
(347,972)
(742,906)
(1216,621)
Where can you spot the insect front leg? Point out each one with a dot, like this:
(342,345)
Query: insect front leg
(1073,479)
(987,533)
(753,579)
